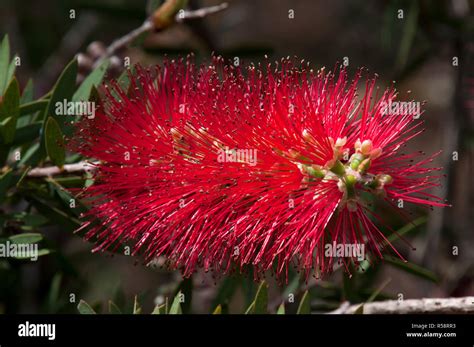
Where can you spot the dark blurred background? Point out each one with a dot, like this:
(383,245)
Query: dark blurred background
(427,49)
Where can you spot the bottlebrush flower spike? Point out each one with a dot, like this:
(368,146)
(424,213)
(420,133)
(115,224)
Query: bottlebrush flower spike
(221,167)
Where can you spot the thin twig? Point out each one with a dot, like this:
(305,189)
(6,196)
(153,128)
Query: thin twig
(200,13)
(128,38)
(147,26)
(81,166)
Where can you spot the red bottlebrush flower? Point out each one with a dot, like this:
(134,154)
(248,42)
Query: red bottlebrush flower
(221,167)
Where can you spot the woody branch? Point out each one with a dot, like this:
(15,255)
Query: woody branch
(428,305)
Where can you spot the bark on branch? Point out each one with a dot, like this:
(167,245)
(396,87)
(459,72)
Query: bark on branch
(428,305)
(55,170)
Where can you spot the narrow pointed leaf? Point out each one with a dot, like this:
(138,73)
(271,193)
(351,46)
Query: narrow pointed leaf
(305,304)
(40,253)
(9,111)
(84,308)
(137,308)
(413,269)
(250,308)
(93,80)
(28,92)
(379,290)
(218,310)
(54,141)
(32,107)
(4,63)
(62,91)
(359,310)
(281,309)
(113,308)
(26,238)
(27,133)
(54,292)
(159,309)
(11,70)
(176,305)
(261,299)
(407,228)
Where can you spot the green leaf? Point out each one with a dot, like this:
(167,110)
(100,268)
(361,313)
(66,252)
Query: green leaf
(40,253)
(28,93)
(123,81)
(379,290)
(27,133)
(407,228)
(305,304)
(63,90)
(84,308)
(71,181)
(260,303)
(34,220)
(250,308)
(292,286)
(4,63)
(226,290)
(54,290)
(54,141)
(44,251)
(349,287)
(67,198)
(176,305)
(32,156)
(359,310)
(388,24)
(409,32)
(281,308)
(373,296)
(26,238)
(33,106)
(54,214)
(9,111)
(159,309)
(218,310)
(137,308)
(5,181)
(413,269)
(186,288)
(11,70)
(95,96)
(93,80)
(113,308)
